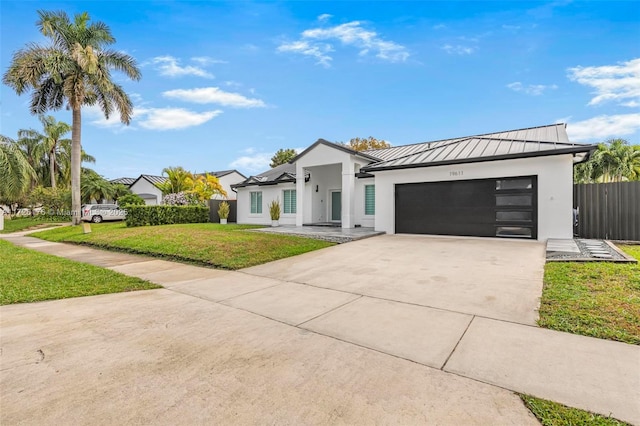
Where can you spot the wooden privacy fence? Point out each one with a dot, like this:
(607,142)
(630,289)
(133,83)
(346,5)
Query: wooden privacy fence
(608,210)
(213,211)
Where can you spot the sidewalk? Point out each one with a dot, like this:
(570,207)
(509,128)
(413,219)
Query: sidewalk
(593,374)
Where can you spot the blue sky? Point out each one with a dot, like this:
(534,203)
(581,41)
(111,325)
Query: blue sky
(226,84)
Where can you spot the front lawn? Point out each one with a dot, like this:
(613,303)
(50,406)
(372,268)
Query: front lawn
(24,223)
(597,299)
(31,276)
(554,414)
(221,246)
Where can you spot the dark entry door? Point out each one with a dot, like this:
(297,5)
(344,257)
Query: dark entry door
(483,208)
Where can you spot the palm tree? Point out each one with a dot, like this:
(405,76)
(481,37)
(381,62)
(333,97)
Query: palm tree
(48,143)
(95,187)
(74,69)
(615,161)
(178,180)
(15,171)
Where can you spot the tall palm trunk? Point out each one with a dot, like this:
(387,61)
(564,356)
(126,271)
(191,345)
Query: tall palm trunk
(76,151)
(52,167)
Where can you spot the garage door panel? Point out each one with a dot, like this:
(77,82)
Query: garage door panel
(484,208)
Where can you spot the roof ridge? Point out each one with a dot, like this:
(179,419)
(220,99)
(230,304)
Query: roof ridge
(471,136)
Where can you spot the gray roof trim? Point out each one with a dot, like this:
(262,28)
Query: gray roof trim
(266,183)
(222,173)
(339,147)
(545,153)
(123,180)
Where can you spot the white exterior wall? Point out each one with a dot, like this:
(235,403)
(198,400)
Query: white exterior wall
(269,193)
(143,186)
(226,181)
(555,188)
(317,204)
(361,219)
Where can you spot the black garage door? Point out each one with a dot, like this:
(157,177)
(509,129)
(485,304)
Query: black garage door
(501,207)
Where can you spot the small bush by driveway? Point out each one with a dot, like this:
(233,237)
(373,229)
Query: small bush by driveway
(598,299)
(220,246)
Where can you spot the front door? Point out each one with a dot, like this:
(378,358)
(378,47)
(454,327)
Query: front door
(336,206)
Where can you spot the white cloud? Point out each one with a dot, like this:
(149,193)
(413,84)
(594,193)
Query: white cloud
(170,67)
(213,95)
(173,118)
(324,17)
(316,50)
(618,83)
(603,127)
(254,162)
(206,60)
(531,89)
(458,49)
(319,42)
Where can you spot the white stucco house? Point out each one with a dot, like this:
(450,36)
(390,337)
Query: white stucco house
(145,185)
(516,184)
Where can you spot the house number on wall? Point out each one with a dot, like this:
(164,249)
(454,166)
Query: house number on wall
(456,173)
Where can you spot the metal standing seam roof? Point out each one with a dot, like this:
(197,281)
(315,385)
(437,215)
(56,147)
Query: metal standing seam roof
(535,141)
(153,179)
(528,142)
(123,180)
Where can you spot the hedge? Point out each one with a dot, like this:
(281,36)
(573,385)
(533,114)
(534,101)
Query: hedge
(165,215)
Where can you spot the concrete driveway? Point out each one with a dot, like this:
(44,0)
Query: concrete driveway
(394,329)
(161,357)
(493,278)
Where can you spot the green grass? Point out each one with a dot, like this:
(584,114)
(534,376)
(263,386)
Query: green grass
(30,276)
(554,414)
(23,223)
(597,299)
(221,246)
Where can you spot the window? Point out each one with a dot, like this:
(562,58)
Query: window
(289,201)
(256,202)
(369,199)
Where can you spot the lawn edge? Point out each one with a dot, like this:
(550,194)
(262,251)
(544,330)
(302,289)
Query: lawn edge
(524,398)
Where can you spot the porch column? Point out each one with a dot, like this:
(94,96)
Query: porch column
(348,189)
(299,195)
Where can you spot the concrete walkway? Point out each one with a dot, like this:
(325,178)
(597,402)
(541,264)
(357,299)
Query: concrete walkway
(311,354)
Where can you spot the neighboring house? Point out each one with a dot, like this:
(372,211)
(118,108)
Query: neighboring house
(516,183)
(228,178)
(145,187)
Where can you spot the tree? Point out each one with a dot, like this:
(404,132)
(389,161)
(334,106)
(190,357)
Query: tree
(131,200)
(119,191)
(74,69)
(48,143)
(15,172)
(206,186)
(95,187)
(178,180)
(362,144)
(282,156)
(614,161)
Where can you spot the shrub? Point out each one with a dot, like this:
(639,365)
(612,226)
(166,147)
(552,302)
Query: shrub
(180,199)
(223,210)
(130,199)
(274,210)
(165,215)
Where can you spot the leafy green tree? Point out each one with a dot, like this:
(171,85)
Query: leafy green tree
(282,156)
(54,201)
(15,172)
(73,70)
(130,200)
(614,161)
(119,191)
(206,186)
(95,187)
(365,144)
(178,180)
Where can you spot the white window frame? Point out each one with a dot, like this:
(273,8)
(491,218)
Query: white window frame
(258,206)
(293,207)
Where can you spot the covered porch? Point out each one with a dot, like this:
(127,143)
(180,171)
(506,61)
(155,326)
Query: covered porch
(326,233)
